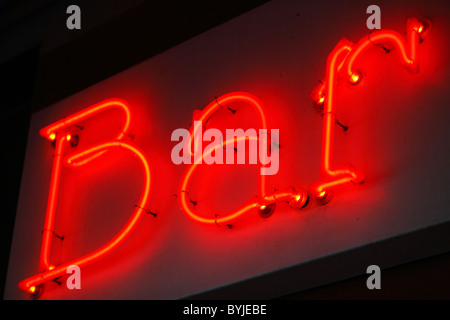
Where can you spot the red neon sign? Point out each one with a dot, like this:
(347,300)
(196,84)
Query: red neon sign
(60,133)
(340,62)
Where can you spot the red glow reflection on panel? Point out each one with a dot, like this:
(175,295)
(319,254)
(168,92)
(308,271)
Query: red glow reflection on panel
(263,201)
(58,131)
(343,57)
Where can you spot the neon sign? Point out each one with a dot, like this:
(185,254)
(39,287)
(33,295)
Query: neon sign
(340,65)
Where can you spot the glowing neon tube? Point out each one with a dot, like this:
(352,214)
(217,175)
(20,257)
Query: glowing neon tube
(31,283)
(216,105)
(324,94)
(183,192)
(59,131)
(296,199)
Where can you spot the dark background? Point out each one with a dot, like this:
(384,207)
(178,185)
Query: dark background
(41,64)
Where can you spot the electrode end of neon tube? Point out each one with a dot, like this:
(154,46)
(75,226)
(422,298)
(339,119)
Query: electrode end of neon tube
(52,136)
(356,78)
(266,210)
(68,137)
(36,291)
(74,140)
(299,201)
(321,194)
(358,178)
(424,29)
(321,101)
(324,197)
(357,175)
